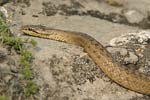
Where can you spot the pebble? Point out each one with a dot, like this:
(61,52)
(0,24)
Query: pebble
(142,37)
(3,2)
(12,65)
(133,59)
(4,12)
(134,16)
(3,54)
(7,78)
(122,51)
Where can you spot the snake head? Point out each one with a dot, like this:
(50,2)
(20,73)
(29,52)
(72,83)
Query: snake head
(32,29)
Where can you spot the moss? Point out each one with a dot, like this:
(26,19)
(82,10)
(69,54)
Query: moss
(33,42)
(3,98)
(31,88)
(113,2)
(26,57)
(15,43)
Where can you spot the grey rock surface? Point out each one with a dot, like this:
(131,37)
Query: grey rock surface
(64,71)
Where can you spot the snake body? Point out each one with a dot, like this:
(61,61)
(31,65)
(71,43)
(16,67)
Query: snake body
(115,71)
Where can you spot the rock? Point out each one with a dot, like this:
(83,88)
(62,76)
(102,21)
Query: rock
(122,51)
(7,78)
(14,69)
(13,64)
(4,12)
(49,9)
(142,37)
(3,1)
(3,54)
(133,59)
(114,2)
(134,16)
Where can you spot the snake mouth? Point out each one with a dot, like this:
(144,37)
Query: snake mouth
(28,29)
(32,28)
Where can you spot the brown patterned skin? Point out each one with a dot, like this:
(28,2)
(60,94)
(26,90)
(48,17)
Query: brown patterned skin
(118,73)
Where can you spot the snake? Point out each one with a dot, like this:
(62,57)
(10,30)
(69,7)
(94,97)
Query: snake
(118,73)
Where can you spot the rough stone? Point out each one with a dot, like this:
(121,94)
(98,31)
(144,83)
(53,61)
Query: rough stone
(132,59)
(3,54)
(134,16)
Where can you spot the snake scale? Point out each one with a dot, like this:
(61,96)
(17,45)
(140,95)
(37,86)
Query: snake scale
(115,71)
